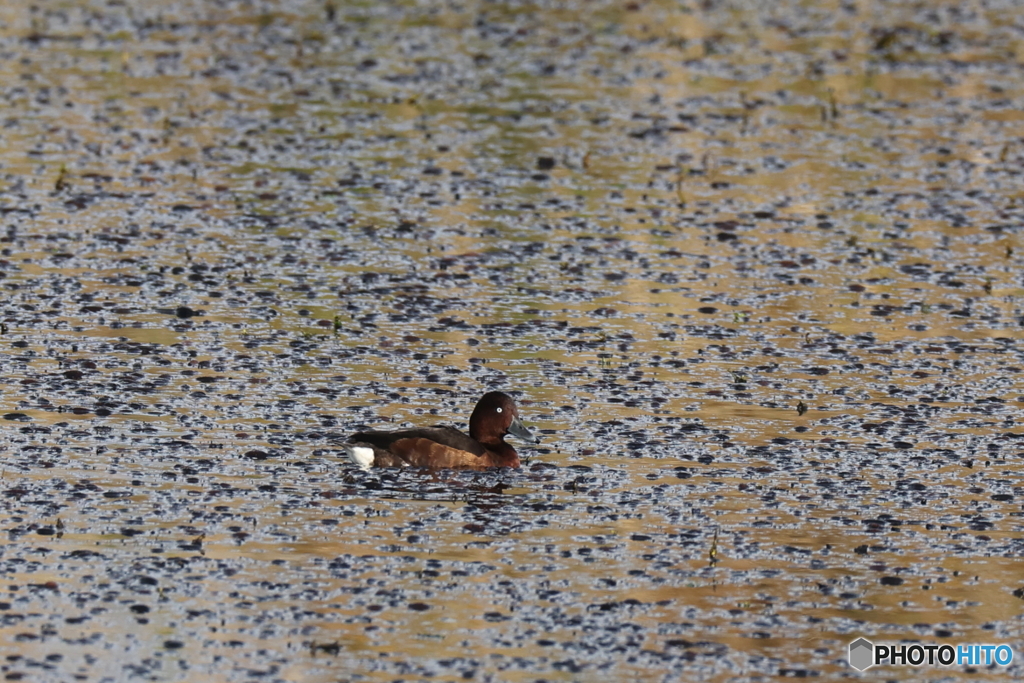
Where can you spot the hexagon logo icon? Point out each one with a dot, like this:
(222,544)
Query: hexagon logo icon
(862,653)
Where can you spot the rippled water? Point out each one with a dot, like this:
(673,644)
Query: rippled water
(752,274)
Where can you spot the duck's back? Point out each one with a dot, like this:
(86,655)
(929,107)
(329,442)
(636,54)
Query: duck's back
(438,446)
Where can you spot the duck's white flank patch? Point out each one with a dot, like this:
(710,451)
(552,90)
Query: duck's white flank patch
(360,455)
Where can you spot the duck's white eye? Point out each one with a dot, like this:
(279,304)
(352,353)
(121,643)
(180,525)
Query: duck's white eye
(498,409)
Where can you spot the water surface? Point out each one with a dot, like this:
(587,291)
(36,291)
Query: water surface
(752,274)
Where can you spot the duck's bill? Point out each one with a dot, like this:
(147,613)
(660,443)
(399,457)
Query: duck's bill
(518,429)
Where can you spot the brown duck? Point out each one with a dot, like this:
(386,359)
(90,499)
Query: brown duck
(438,447)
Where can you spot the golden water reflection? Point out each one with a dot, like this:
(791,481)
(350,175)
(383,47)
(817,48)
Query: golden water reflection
(753,276)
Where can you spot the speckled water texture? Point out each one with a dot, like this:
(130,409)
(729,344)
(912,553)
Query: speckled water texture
(753,273)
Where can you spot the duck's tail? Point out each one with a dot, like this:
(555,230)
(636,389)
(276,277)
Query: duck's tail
(360,455)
